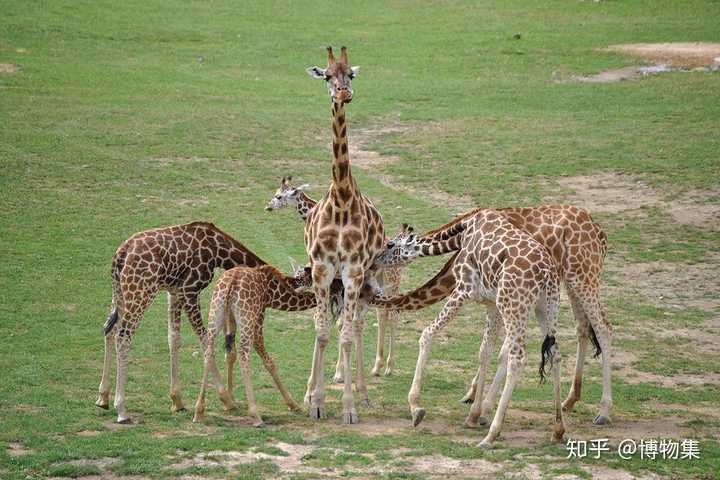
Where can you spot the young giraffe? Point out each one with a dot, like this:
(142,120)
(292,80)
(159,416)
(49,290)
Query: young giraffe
(295,197)
(343,235)
(239,301)
(180,259)
(505,268)
(578,245)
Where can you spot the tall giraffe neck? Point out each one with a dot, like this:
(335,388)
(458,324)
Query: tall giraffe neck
(282,294)
(343,182)
(230,253)
(434,290)
(304,205)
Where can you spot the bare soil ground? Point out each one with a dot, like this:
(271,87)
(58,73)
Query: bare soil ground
(663,56)
(685,55)
(9,68)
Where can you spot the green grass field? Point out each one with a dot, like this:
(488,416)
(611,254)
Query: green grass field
(123,116)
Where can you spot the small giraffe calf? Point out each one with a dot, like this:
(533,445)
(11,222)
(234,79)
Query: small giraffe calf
(238,302)
(506,269)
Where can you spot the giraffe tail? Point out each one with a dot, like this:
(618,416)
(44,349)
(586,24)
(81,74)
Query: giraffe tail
(545,355)
(596,343)
(118,262)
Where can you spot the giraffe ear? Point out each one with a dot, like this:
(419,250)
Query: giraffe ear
(296,268)
(303,187)
(354,71)
(316,72)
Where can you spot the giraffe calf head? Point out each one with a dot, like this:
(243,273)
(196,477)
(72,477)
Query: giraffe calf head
(301,277)
(401,249)
(338,75)
(286,196)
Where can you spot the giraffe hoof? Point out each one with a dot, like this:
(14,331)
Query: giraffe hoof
(104,406)
(258,424)
(317,413)
(417,416)
(175,409)
(602,420)
(294,407)
(124,421)
(485,445)
(198,417)
(388,372)
(483,421)
(338,378)
(350,418)
(365,402)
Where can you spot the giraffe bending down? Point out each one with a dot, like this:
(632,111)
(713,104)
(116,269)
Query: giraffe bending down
(343,235)
(578,245)
(180,259)
(505,268)
(295,197)
(239,301)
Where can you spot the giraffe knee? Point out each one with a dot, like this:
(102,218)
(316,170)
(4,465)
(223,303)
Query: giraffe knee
(322,338)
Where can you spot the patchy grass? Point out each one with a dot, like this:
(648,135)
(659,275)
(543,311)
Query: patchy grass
(128,116)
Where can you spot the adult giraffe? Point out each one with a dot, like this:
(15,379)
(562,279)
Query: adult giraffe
(343,235)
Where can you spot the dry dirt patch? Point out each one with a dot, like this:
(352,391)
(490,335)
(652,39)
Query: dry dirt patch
(684,55)
(666,57)
(9,68)
(671,284)
(624,360)
(16,449)
(612,192)
(362,156)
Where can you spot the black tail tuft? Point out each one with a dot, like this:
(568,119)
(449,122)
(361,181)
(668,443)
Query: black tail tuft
(111,321)
(593,337)
(229,342)
(545,355)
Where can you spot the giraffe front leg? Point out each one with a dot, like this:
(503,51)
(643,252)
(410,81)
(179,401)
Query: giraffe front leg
(382,319)
(447,314)
(316,383)
(350,334)
(174,340)
(393,317)
(360,384)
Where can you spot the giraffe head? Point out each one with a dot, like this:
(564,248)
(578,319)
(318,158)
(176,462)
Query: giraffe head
(301,277)
(338,75)
(401,249)
(286,195)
